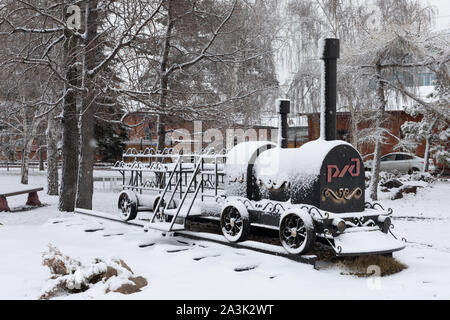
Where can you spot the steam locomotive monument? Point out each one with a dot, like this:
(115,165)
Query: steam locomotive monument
(307,194)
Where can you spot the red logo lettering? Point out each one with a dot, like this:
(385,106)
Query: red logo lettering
(353,170)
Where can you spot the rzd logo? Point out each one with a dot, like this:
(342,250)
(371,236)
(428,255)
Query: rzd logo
(352,169)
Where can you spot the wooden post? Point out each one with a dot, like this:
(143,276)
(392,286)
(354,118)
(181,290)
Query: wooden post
(4,204)
(33,199)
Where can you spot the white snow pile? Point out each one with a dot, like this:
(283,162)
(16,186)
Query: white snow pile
(396,185)
(70,276)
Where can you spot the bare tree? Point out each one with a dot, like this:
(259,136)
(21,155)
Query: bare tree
(71,55)
(189,76)
(384,52)
(52,138)
(434,119)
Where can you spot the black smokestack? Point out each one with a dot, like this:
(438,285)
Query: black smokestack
(329,53)
(283,108)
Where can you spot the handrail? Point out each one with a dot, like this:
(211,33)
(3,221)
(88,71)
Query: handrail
(197,167)
(165,191)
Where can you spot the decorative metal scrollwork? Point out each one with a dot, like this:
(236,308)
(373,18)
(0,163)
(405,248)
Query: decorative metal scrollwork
(337,249)
(137,165)
(360,222)
(157,166)
(150,184)
(391,227)
(246,202)
(374,206)
(208,183)
(119,164)
(342,195)
(270,207)
(131,152)
(220,199)
(313,211)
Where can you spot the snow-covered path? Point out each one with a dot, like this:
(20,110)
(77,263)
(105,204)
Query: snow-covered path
(177,268)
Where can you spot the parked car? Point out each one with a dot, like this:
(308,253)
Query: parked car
(402,162)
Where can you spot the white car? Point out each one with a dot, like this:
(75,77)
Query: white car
(402,162)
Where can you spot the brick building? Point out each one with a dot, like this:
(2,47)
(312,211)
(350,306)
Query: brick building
(393,124)
(143,131)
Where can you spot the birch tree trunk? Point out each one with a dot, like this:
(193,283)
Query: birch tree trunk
(26,158)
(52,157)
(41,155)
(427,146)
(85,187)
(27,144)
(353,123)
(24,167)
(373,189)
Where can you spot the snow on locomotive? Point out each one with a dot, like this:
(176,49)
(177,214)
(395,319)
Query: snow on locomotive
(315,192)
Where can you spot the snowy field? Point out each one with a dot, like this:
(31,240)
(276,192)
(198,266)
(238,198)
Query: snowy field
(177,268)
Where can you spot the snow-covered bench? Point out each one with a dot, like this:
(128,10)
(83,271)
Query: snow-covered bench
(33,198)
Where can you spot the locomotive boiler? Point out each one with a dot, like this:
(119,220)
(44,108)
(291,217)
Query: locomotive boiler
(307,194)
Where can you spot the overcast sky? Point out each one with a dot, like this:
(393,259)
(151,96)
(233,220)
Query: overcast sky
(443,14)
(285,69)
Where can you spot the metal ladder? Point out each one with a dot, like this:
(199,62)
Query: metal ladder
(172,226)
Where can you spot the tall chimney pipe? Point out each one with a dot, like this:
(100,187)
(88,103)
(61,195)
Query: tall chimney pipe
(328,53)
(283,108)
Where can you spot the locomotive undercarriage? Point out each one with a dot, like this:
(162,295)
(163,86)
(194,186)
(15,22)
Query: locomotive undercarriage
(329,228)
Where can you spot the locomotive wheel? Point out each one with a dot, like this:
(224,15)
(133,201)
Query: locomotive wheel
(127,205)
(297,234)
(163,204)
(234,222)
(155,204)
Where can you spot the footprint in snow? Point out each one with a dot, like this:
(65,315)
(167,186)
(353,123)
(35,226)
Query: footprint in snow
(93,230)
(74,224)
(145,245)
(177,250)
(198,258)
(113,234)
(245,268)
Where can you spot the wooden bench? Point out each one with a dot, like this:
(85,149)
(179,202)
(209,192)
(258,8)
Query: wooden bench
(33,198)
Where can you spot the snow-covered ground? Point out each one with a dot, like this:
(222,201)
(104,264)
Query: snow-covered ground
(173,268)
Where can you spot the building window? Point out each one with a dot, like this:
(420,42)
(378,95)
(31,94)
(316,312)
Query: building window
(426,79)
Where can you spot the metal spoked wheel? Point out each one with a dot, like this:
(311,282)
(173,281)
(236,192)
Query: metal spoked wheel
(234,223)
(127,206)
(297,233)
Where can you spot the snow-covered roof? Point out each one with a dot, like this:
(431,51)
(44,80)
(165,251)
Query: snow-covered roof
(276,166)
